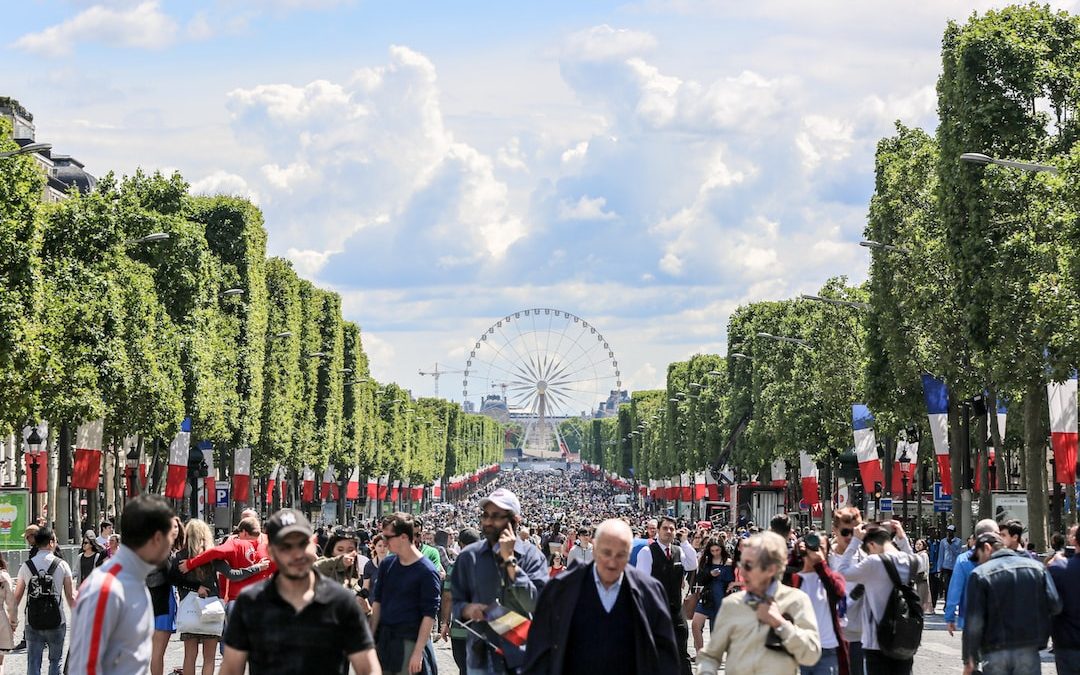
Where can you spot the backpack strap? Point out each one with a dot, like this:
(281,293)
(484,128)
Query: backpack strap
(53,566)
(890,567)
(31,567)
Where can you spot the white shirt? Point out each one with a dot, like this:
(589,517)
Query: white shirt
(42,561)
(819,599)
(608,596)
(870,572)
(689,557)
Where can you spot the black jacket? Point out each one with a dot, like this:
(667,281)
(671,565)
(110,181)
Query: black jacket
(654,635)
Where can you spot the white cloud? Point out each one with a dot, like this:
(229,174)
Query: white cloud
(308,263)
(603,43)
(224,183)
(143,26)
(586,208)
(510,156)
(575,155)
(823,139)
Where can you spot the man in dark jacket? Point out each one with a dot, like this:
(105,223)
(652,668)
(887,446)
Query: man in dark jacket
(1066,626)
(1010,602)
(586,618)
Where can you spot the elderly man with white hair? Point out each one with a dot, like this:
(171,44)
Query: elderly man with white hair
(603,617)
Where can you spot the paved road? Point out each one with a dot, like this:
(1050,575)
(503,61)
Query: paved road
(939,655)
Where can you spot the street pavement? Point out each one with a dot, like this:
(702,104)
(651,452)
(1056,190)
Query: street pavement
(938,655)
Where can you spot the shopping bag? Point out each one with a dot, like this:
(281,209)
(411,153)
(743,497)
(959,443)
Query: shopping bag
(189,615)
(213,610)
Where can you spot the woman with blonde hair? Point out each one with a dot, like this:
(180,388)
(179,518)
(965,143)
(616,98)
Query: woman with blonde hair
(769,628)
(198,537)
(7,598)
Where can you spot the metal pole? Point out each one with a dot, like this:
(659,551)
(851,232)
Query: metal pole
(904,483)
(34,488)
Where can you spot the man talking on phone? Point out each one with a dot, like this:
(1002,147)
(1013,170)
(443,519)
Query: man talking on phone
(500,568)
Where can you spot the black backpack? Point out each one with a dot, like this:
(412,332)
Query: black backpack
(899,631)
(42,600)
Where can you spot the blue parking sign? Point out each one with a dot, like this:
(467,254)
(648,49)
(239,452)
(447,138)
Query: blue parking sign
(221,494)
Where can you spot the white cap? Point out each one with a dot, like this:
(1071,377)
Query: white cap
(504,499)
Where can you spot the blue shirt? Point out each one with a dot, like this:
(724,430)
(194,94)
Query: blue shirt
(948,553)
(932,551)
(608,596)
(954,599)
(635,548)
(407,593)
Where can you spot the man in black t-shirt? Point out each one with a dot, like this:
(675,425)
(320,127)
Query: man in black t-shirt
(297,621)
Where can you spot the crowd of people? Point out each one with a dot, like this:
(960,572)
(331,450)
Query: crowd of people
(538,573)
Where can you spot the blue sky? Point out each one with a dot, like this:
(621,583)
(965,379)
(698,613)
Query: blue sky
(647,166)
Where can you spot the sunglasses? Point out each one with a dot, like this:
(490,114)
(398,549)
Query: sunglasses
(846,531)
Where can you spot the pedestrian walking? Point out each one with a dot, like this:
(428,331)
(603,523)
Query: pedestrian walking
(498,569)
(1010,604)
(715,577)
(581,553)
(163,599)
(1066,625)
(922,575)
(826,589)
(297,621)
(45,579)
(113,620)
(949,549)
(405,602)
(871,572)
(603,617)
(767,629)
(667,562)
(7,600)
(965,563)
(456,634)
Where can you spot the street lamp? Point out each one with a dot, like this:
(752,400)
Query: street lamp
(232,291)
(282,335)
(784,338)
(980,158)
(838,303)
(26,150)
(33,442)
(740,356)
(905,467)
(883,247)
(714,373)
(315,355)
(150,238)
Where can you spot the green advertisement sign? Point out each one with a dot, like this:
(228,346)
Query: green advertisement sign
(14,515)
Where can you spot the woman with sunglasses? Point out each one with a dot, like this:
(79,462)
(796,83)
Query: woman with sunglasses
(768,629)
(715,575)
(845,521)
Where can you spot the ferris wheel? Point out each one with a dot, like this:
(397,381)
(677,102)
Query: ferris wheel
(538,366)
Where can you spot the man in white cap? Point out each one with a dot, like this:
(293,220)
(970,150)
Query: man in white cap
(499,568)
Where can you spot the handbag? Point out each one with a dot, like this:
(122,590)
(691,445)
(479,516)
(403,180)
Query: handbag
(189,614)
(689,603)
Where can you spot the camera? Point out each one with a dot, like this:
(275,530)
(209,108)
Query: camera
(812,541)
(363,593)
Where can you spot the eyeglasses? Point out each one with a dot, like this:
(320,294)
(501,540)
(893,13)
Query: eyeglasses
(493,516)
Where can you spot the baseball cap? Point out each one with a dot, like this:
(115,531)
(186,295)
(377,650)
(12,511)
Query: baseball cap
(504,499)
(951,528)
(285,522)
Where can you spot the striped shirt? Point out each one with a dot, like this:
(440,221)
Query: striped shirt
(113,622)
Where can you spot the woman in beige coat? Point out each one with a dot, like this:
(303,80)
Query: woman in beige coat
(746,618)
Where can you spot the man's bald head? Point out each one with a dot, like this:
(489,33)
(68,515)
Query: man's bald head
(611,551)
(616,528)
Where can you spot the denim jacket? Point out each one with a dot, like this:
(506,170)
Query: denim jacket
(1010,600)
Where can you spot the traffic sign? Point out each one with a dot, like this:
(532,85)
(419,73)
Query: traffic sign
(942,501)
(886,505)
(942,507)
(221,494)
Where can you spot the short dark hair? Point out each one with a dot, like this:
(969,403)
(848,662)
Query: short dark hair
(780,524)
(248,525)
(584,531)
(468,536)
(143,517)
(877,534)
(666,519)
(1014,527)
(1057,541)
(401,523)
(104,524)
(44,536)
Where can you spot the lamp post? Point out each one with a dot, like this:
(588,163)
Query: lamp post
(980,158)
(150,238)
(27,149)
(905,467)
(33,442)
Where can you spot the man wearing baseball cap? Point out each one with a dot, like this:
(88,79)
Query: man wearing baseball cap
(498,568)
(297,621)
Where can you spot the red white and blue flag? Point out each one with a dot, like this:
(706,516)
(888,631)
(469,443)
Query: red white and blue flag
(176,480)
(1063,428)
(307,486)
(242,474)
(936,395)
(808,475)
(512,630)
(87,470)
(866,446)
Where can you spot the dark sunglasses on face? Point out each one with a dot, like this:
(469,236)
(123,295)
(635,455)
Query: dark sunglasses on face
(846,531)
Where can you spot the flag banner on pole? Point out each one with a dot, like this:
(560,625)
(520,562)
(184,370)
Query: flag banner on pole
(416,493)
(395,491)
(283,484)
(87,470)
(866,446)
(241,475)
(1063,430)
(271,482)
(329,484)
(352,488)
(686,487)
(308,485)
(176,480)
(712,490)
(936,395)
(808,476)
(436,491)
(991,454)
(372,487)
(384,488)
(210,480)
(700,490)
(511,630)
(778,474)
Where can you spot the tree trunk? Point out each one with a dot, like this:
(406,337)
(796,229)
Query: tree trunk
(62,514)
(984,462)
(956,464)
(1035,461)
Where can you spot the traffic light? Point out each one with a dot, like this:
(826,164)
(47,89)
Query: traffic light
(877,490)
(858,496)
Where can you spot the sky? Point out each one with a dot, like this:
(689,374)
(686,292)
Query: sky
(646,166)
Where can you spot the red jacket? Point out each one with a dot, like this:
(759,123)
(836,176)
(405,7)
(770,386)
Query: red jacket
(238,553)
(835,590)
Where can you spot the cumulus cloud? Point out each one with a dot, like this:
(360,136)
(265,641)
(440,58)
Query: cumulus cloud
(586,208)
(603,43)
(142,26)
(225,183)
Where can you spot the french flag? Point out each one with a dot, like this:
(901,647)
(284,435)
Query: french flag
(808,474)
(271,482)
(176,479)
(87,471)
(308,485)
(1063,429)
(779,473)
(866,446)
(352,488)
(372,488)
(936,395)
(242,475)
(700,491)
(436,491)
(329,484)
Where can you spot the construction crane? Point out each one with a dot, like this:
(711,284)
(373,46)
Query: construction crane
(436,373)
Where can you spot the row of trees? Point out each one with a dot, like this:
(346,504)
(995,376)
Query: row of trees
(96,321)
(975,279)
